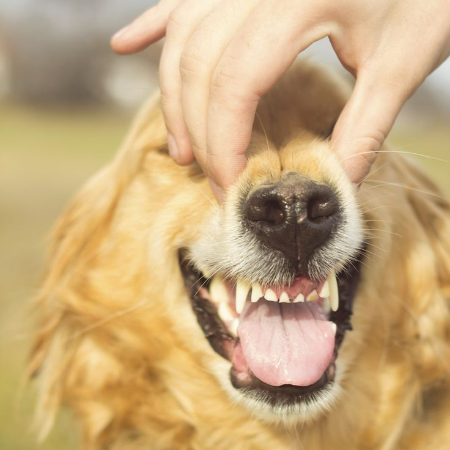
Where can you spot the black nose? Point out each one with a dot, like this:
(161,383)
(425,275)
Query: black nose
(295,216)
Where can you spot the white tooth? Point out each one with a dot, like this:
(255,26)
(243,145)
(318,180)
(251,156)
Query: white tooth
(312,296)
(284,298)
(242,289)
(225,312)
(256,292)
(299,298)
(326,306)
(325,291)
(218,290)
(334,327)
(334,293)
(234,327)
(270,296)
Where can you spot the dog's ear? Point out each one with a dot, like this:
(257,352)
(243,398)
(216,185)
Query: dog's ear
(427,259)
(75,241)
(432,207)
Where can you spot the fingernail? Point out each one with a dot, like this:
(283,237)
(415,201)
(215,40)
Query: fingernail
(121,32)
(173,147)
(218,192)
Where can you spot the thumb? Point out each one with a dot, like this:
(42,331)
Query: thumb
(365,123)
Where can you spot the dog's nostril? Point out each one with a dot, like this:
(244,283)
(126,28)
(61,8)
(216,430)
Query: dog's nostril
(267,210)
(322,207)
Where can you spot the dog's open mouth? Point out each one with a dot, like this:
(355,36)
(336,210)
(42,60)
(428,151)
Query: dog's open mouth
(282,342)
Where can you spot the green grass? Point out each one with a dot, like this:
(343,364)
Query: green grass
(46,154)
(434,144)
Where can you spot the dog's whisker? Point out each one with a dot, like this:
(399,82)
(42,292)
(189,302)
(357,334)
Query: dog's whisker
(201,192)
(264,130)
(377,207)
(119,314)
(404,186)
(380,220)
(373,171)
(382,231)
(354,155)
(377,247)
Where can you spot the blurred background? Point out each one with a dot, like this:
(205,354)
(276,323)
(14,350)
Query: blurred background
(66,101)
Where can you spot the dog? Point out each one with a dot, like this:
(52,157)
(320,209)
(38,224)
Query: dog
(302,312)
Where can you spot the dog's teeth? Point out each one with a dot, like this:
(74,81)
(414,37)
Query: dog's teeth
(334,327)
(299,298)
(312,297)
(256,292)
(225,312)
(325,291)
(234,327)
(242,289)
(218,290)
(270,296)
(326,306)
(284,298)
(334,292)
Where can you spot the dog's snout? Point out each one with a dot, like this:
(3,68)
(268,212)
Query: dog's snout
(294,216)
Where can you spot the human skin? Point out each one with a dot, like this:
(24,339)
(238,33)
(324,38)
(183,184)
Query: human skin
(221,56)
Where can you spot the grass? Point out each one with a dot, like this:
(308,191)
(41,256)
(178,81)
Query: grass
(46,154)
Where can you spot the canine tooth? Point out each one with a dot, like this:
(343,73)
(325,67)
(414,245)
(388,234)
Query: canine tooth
(284,298)
(218,290)
(326,306)
(256,292)
(270,295)
(325,291)
(334,327)
(225,312)
(299,298)
(334,293)
(234,327)
(312,296)
(242,289)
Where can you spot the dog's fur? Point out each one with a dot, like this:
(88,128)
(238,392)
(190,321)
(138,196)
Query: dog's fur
(120,345)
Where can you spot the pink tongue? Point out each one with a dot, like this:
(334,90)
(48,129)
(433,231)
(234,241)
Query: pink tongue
(286,343)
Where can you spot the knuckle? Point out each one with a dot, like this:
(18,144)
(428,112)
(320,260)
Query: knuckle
(166,100)
(372,142)
(175,23)
(192,65)
(223,78)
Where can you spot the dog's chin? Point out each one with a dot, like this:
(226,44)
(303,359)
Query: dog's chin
(271,401)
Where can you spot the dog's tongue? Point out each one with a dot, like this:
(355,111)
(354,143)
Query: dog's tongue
(286,343)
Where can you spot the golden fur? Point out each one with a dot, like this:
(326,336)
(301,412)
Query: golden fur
(119,343)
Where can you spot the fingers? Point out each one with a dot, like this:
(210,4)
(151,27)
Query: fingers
(249,67)
(366,121)
(198,61)
(145,30)
(181,25)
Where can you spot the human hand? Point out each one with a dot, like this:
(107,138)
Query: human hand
(221,56)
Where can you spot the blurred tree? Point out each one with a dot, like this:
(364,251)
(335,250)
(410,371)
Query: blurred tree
(58,50)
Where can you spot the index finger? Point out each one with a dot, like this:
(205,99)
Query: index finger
(148,28)
(249,67)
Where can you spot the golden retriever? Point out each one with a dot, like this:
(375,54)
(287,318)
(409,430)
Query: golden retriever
(302,313)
